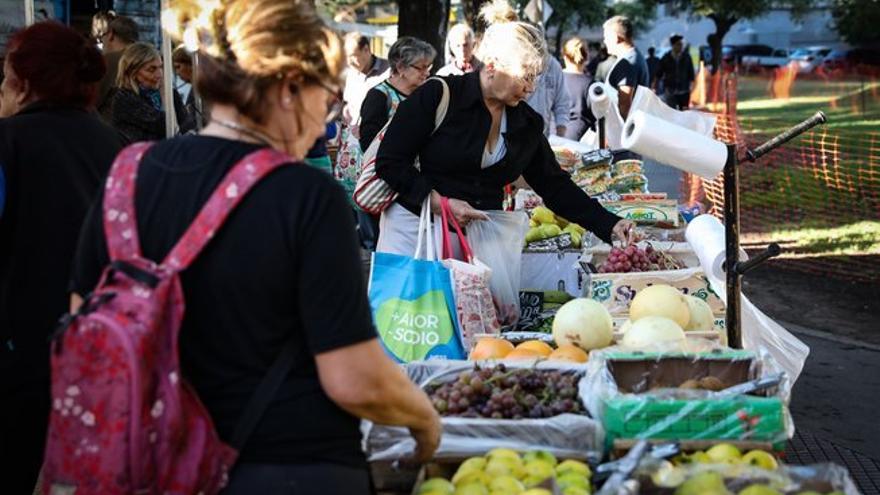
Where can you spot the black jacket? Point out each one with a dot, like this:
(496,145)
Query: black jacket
(55,160)
(137,120)
(451,158)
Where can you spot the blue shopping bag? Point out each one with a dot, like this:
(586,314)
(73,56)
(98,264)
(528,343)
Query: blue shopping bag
(413,304)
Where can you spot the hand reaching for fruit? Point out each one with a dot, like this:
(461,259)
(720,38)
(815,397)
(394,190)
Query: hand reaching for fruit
(625,231)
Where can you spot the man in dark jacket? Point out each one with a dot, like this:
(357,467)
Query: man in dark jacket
(676,72)
(121,32)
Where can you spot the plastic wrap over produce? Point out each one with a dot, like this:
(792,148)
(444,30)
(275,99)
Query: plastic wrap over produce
(661,478)
(684,392)
(574,436)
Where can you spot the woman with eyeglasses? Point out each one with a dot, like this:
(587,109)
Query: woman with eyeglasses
(283,270)
(410,60)
(488,139)
(137,111)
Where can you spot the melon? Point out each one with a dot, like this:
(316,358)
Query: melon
(702,318)
(660,300)
(584,323)
(653,331)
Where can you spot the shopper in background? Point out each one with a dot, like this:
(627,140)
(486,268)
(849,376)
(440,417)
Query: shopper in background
(285,266)
(183,66)
(488,139)
(364,71)
(138,112)
(577,84)
(677,74)
(460,57)
(120,34)
(653,65)
(597,54)
(410,61)
(54,153)
(630,71)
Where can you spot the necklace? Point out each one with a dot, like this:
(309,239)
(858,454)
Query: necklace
(243,129)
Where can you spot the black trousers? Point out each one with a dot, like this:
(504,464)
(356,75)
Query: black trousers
(24,417)
(677,101)
(298,479)
(368,229)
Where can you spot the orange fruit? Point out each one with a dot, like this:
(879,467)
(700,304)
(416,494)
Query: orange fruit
(490,348)
(570,353)
(541,348)
(526,353)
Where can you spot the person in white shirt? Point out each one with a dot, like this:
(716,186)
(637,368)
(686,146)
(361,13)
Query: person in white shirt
(550,98)
(460,57)
(364,71)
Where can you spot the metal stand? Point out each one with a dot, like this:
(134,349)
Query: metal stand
(734,268)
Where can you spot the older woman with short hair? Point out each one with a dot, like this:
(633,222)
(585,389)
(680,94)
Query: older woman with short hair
(411,62)
(137,112)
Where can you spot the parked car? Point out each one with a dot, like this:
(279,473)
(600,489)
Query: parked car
(809,59)
(779,58)
(855,61)
(733,54)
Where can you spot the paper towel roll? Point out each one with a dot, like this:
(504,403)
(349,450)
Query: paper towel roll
(673,145)
(705,234)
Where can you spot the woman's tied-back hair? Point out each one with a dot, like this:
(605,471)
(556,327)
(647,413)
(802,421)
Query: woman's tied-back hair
(245,46)
(575,51)
(517,47)
(60,65)
(407,51)
(133,58)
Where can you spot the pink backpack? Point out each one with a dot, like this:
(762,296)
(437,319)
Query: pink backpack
(123,420)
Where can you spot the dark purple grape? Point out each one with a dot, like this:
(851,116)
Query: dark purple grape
(467,391)
(529,401)
(463,403)
(455,395)
(477,384)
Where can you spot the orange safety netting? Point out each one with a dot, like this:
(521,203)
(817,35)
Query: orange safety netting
(818,196)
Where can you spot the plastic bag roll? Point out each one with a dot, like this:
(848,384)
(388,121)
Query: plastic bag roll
(602,99)
(674,145)
(705,234)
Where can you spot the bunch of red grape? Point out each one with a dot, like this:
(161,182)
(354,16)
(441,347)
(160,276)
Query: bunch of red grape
(635,259)
(502,393)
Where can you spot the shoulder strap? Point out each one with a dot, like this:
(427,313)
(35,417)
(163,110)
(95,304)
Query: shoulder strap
(234,187)
(120,221)
(264,395)
(443,106)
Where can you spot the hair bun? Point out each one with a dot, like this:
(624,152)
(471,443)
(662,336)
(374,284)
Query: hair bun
(498,12)
(92,66)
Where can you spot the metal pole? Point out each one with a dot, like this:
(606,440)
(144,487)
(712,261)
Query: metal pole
(731,235)
(168,82)
(197,100)
(28,12)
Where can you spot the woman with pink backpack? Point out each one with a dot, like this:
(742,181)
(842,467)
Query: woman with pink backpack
(276,339)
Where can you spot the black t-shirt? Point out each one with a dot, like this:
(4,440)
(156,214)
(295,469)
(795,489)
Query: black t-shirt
(630,70)
(284,265)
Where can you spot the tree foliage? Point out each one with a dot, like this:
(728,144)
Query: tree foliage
(857,20)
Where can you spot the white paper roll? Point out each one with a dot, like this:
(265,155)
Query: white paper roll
(674,145)
(705,234)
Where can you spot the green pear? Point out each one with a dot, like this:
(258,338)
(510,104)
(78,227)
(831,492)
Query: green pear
(540,455)
(537,491)
(473,464)
(724,452)
(761,459)
(505,453)
(706,483)
(573,479)
(542,214)
(667,475)
(759,490)
(471,489)
(572,465)
(506,484)
(504,466)
(539,469)
(468,477)
(436,486)
(573,490)
(549,230)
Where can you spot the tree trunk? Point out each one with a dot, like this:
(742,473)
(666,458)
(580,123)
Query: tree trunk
(716,40)
(426,20)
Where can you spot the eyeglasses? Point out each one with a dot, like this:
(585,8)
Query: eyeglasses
(334,107)
(426,69)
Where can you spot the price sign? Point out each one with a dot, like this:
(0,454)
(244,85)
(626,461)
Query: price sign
(531,303)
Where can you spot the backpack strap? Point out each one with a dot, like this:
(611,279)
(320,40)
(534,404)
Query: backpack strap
(120,221)
(238,182)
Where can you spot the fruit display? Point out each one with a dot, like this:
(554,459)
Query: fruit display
(653,331)
(633,258)
(724,470)
(545,225)
(507,393)
(498,348)
(584,323)
(506,472)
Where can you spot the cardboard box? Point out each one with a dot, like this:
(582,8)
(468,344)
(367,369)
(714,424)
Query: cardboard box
(632,414)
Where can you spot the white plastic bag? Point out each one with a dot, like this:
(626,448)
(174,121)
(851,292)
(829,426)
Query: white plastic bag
(497,242)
